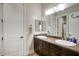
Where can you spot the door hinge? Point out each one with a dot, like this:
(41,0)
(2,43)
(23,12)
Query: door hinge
(2,20)
(2,38)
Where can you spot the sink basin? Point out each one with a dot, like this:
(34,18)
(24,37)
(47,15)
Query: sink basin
(65,43)
(42,37)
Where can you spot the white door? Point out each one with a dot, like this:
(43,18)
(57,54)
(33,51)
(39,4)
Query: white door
(1,29)
(13,29)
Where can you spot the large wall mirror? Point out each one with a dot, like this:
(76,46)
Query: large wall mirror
(56,25)
(67,19)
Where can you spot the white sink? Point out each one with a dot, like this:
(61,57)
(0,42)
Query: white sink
(42,37)
(65,43)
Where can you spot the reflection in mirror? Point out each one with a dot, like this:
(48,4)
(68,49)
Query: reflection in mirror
(40,25)
(52,25)
(74,24)
(62,26)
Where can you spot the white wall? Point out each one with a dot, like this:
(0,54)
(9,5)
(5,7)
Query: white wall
(31,12)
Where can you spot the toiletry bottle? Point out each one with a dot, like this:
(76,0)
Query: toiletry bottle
(76,40)
(73,39)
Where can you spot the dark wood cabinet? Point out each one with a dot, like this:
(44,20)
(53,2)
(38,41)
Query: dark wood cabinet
(36,45)
(40,47)
(44,48)
(67,52)
(54,50)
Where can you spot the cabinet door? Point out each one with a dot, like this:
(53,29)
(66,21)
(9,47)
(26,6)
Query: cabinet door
(43,48)
(40,47)
(36,45)
(54,50)
(66,52)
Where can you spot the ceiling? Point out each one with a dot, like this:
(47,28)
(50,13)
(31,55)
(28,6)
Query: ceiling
(48,5)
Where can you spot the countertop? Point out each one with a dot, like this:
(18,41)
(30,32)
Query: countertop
(52,40)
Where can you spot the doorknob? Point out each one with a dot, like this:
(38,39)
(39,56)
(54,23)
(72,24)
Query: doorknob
(21,37)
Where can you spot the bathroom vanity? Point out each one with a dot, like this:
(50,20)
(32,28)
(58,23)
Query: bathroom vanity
(62,24)
(48,47)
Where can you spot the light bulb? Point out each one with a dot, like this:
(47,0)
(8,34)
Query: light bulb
(61,7)
(40,27)
(55,9)
(49,11)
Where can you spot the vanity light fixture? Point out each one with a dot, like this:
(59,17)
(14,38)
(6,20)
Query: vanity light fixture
(61,7)
(49,11)
(57,8)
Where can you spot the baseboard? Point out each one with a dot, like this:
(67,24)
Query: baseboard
(32,53)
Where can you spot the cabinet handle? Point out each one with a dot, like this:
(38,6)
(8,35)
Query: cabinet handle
(21,37)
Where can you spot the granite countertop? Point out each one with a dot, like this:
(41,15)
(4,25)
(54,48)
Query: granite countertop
(52,40)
